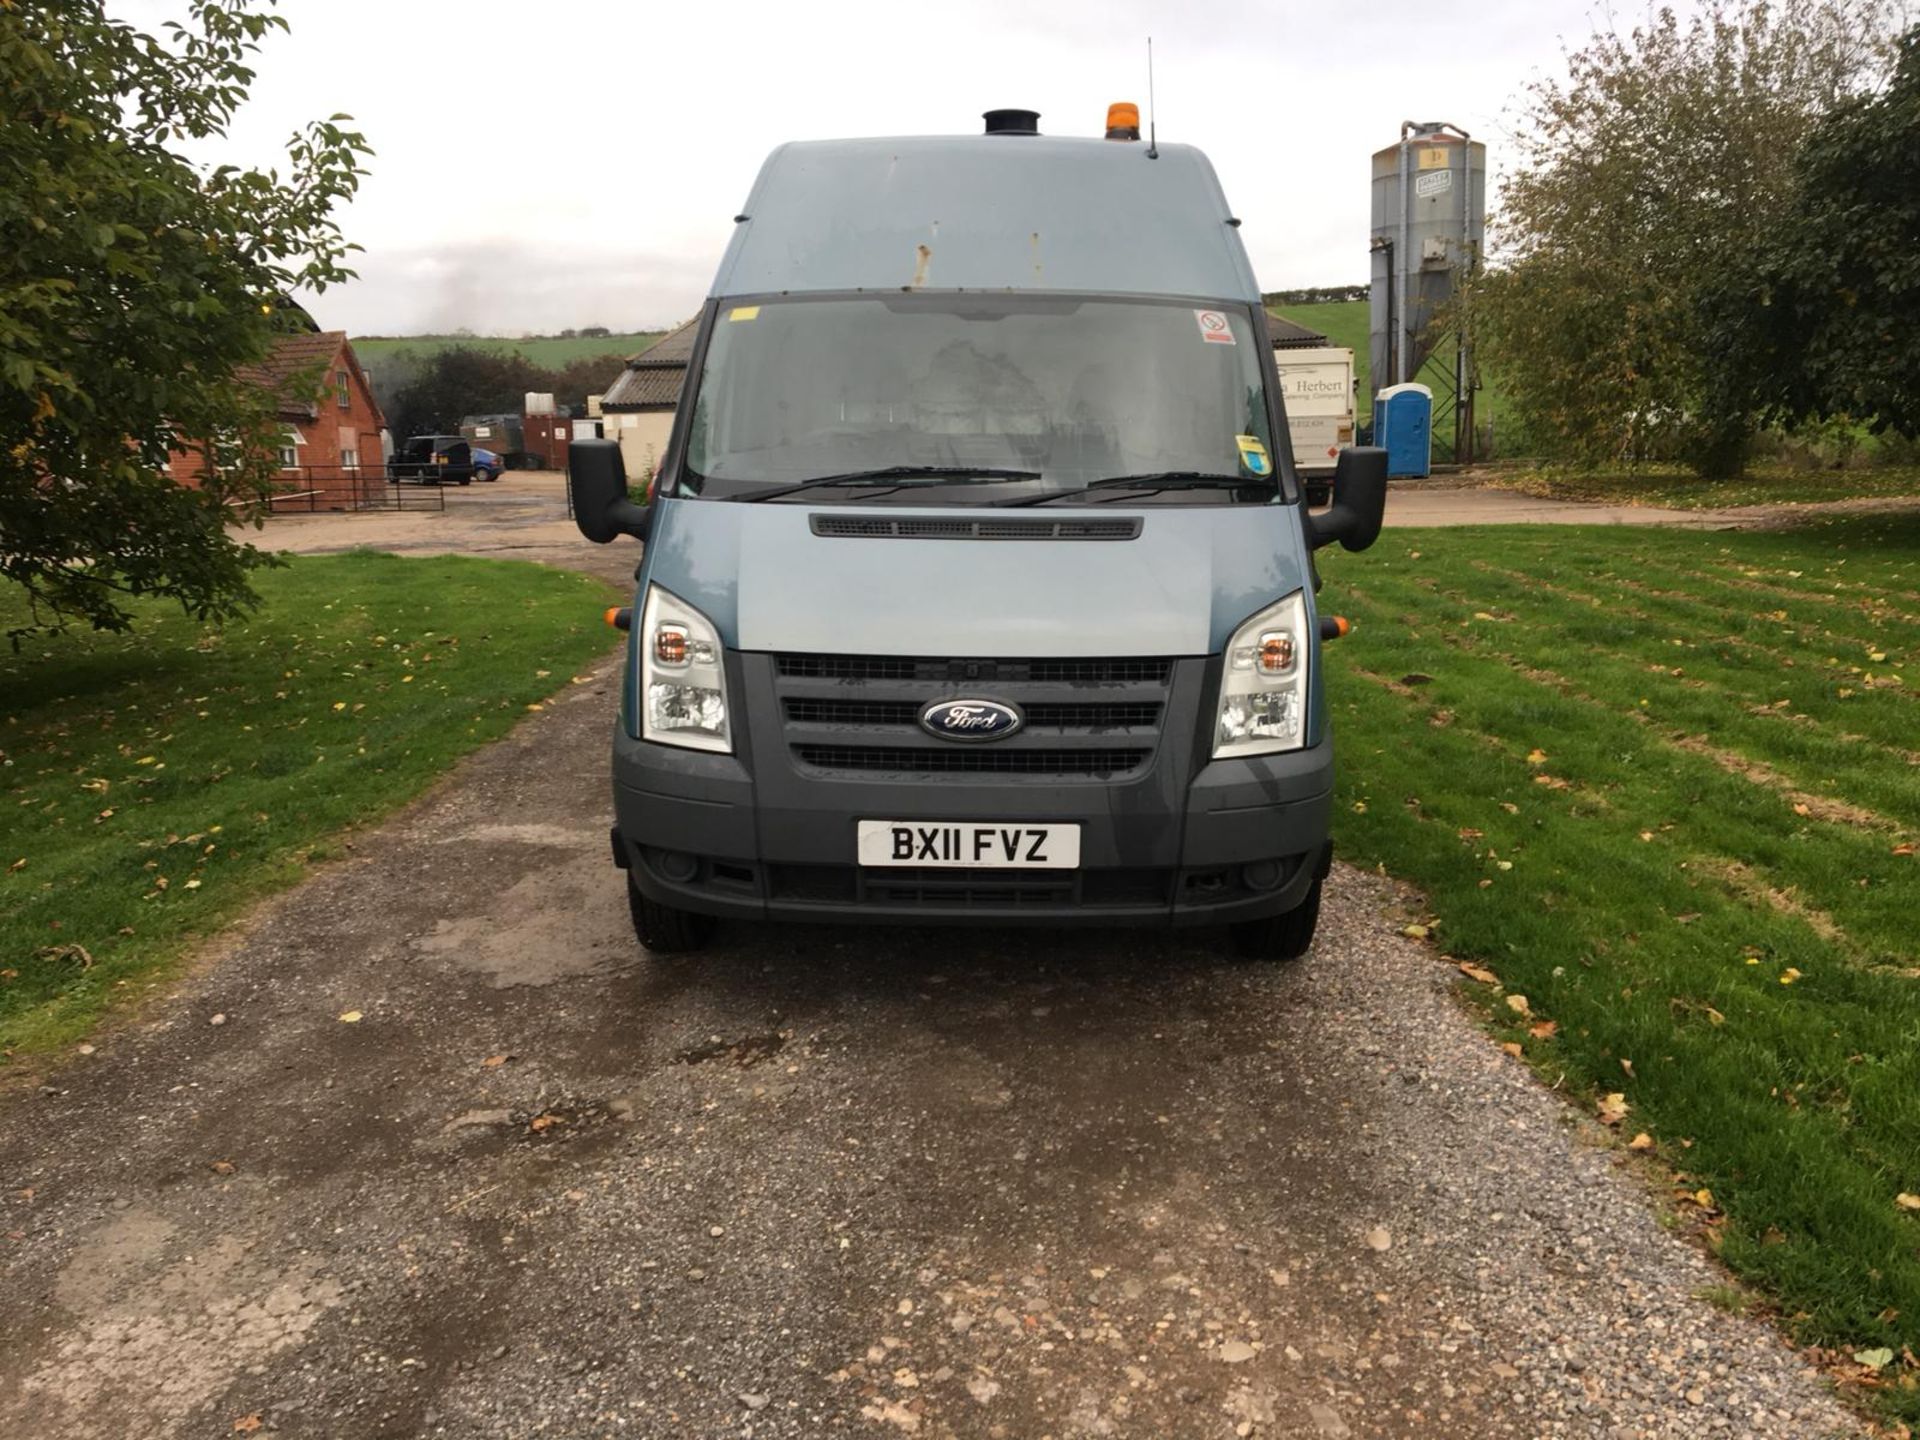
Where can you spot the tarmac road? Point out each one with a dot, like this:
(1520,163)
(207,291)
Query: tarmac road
(872,1182)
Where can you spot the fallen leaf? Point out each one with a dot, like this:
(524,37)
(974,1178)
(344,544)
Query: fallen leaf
(1802,808)
(1234,1352)
(1536,757)
(1906,1201)
(351,1017)
(1474,972)
(1513,1049)
(1703,1198)
(495,1061)
(1613,1108)
(1627,1065)
(1518,1004)
(1544,1030)
(1904,848)
(1642,1141)
(1379,1238)
(1414,932)
(221,1167)
(247,1424)
(1875,1359)
(1789,975)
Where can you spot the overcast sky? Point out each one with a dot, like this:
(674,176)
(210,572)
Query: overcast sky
(579,162)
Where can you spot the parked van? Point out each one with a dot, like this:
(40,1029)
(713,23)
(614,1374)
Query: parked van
(1316,383)
(976,588)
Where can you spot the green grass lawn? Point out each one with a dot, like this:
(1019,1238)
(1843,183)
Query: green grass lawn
(153,785)
(1666,787)
(550,352)
(1674,487)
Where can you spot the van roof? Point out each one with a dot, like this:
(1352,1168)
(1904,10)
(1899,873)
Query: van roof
(987,212)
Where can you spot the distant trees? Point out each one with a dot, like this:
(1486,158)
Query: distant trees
(1315,295)
(1653,181)
(467,380)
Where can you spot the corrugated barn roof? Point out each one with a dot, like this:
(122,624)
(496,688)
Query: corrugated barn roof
(653,378)
(1291,335)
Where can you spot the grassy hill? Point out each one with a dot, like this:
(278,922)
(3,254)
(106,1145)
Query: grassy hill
(550,351)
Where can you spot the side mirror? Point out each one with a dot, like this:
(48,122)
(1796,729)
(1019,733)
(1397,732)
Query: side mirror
(1359,501)
(597,484)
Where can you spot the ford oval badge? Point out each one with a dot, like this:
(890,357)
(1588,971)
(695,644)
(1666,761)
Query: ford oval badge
(970,719)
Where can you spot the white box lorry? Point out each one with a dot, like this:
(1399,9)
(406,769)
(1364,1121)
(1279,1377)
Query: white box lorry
(1318,385)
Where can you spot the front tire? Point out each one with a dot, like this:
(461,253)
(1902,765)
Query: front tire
(483,474)
(664,930)
(1280,937)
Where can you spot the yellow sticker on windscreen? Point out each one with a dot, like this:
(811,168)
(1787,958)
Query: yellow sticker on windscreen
(1253,455)
(744,312)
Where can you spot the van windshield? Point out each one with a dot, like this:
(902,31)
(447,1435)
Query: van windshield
(1069,391)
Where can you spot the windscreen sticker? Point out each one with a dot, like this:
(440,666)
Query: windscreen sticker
(1253,455)
(744,312)
(1214,328)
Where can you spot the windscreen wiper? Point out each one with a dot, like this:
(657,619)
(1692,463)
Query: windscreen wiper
(1158,480)
(892,476)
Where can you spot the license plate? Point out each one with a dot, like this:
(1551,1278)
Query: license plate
(972,844)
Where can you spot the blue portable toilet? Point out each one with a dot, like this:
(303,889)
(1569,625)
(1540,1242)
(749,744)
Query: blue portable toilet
(1403,427)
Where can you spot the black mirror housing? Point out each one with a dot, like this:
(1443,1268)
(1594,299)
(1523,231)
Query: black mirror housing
(597,484)
(1359,501)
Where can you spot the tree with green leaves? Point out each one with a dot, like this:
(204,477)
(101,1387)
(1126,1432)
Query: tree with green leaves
(1661,165)
(1827,327)
(135,288)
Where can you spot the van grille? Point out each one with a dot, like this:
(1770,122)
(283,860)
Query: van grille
(1040,672)
(906,714)
(1089,719)
(976,760)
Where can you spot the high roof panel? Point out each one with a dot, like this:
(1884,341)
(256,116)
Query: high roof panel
(987,212)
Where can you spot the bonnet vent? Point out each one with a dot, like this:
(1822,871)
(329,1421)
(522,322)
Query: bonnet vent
(886,527)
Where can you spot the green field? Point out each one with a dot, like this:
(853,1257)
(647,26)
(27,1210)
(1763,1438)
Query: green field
(550,352)
(1662,790)
(159,782)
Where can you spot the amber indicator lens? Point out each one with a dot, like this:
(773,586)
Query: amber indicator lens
(670,645)
(1276,653)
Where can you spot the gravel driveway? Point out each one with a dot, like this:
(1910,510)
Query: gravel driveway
(863,1182)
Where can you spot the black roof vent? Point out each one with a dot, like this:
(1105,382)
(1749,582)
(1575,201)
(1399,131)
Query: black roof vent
(1012,122)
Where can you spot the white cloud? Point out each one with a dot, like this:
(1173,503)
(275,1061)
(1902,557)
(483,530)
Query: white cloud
(579,162)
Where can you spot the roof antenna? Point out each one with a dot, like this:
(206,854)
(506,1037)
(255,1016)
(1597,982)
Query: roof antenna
(1153,139)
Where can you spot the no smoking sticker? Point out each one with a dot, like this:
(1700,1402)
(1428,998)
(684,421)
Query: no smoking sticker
(1214,328)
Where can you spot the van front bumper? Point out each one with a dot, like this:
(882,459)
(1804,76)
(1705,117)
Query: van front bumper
(1233,840)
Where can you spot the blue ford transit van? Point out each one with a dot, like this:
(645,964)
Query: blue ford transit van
(977,582)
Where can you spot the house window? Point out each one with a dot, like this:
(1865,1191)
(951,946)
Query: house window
(290,450)
(350,459)
(340,388)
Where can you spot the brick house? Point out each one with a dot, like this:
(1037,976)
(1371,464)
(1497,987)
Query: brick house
(332,448)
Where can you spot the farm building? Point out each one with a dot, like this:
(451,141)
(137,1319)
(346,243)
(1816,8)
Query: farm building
(332,447)
(1291,335)
(637,409)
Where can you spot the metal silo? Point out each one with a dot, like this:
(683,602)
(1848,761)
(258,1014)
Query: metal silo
(1429,222)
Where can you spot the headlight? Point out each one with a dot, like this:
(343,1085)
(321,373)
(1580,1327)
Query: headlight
(683,681)
(1263,685)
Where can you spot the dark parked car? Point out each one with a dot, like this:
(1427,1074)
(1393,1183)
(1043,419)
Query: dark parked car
(437,459)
